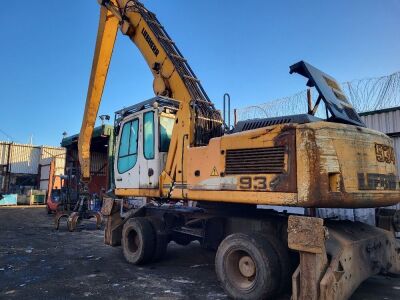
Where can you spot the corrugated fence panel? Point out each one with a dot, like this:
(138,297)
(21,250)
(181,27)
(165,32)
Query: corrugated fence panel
(386,122)
(48,153)
(56,153)
(396,144)
(4,146)
(44,177)
(44,172)
(24,159)
(44,185)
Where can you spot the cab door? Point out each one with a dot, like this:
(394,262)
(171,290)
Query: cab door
(127,162)
(150,161)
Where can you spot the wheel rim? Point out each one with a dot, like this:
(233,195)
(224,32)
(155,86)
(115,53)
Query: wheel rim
(241,269)
(133,241)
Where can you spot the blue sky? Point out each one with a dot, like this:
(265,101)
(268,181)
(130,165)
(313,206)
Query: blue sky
(241,47)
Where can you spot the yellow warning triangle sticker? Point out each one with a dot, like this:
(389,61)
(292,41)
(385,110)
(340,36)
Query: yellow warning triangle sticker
(214,172)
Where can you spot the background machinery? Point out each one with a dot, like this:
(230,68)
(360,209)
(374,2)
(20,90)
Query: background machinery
(66,200)
(175,148)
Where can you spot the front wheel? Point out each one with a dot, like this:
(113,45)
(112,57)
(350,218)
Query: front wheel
(138,240)
(247,266)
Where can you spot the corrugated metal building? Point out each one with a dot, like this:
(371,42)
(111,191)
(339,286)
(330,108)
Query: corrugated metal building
(25,165)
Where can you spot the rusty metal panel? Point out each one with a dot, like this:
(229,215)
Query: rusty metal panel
(306,234)
(387,122)
(98,163)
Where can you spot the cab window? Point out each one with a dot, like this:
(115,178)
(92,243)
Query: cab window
(148,135)
(166,127)
(127,154)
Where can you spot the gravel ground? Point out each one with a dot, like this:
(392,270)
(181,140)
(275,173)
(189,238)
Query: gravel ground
(38,262)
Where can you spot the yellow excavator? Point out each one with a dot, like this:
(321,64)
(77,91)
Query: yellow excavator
(176,149)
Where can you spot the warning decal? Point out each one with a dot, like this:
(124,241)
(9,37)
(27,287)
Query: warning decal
(214,172)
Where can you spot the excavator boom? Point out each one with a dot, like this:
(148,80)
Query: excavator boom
(106,35)
(197,120)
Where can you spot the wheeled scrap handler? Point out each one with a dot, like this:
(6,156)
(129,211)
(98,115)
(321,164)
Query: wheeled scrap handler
(176,148)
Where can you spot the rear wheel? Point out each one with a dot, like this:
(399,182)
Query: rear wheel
(247,266)
(138,240)
(284,262)
(161,241)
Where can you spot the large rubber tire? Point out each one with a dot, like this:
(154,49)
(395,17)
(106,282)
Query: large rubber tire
(138,240)
(161,238)
(284,262)
(258,277)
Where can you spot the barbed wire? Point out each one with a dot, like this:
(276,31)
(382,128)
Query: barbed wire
(366,94)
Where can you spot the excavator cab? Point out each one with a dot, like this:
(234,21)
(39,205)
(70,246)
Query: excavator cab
(143,136)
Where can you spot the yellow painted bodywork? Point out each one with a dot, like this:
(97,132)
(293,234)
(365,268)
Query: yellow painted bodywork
(106,35)
(323,161)
(322,151)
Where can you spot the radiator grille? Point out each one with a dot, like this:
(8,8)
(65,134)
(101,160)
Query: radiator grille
(255,161)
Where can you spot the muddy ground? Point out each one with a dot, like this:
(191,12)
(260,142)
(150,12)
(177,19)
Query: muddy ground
(38,262)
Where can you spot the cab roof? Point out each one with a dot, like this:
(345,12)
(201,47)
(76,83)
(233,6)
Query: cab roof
(161,102)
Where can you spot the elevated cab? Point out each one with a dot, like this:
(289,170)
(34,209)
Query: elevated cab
(144,134)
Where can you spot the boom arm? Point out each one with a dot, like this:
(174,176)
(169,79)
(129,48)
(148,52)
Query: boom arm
(106,35)
(196,121)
